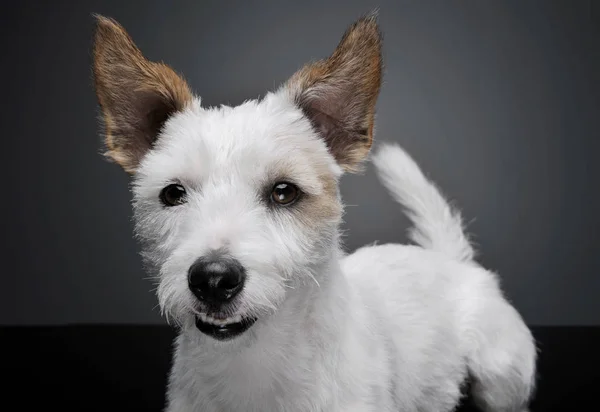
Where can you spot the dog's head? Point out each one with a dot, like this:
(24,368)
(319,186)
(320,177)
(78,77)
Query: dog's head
(235,207)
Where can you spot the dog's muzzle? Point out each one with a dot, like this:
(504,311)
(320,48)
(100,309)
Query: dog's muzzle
(216,281)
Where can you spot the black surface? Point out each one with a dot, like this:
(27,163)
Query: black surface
(124,368)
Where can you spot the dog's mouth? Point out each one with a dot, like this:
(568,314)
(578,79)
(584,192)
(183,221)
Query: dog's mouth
(223,329)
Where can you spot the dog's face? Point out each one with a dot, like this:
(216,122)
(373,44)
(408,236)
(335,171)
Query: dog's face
(236,207)
(247,192)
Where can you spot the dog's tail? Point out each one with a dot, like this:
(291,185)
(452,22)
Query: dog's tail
(437,225)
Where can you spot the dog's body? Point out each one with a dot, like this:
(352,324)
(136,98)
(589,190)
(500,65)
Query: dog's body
(238,210)
(389,328)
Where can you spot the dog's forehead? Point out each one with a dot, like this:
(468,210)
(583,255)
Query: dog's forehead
(252,139)
(257,129)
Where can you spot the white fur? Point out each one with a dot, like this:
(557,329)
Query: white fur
(387,328)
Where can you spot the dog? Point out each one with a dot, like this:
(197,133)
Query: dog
(238,212)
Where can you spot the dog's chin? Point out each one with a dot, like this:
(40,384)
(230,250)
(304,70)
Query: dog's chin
(223,329)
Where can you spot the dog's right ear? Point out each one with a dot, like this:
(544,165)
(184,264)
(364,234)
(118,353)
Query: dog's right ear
(136,96)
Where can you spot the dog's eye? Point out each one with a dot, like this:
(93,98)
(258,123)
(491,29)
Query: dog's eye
(173,195)
(284,193)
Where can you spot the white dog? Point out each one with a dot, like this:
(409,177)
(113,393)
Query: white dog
(238,212)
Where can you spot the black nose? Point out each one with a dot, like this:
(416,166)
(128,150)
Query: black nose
(216,281)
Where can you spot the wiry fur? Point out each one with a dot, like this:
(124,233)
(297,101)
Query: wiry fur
(387,328)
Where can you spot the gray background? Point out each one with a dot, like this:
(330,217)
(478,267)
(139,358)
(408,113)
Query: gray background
(498,101)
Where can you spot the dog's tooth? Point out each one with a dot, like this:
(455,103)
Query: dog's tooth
(219,322)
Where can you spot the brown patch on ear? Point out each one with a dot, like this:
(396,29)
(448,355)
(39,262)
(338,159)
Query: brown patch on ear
(136,96)
(339,94)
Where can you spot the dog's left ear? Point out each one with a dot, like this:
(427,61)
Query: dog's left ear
(339,94)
